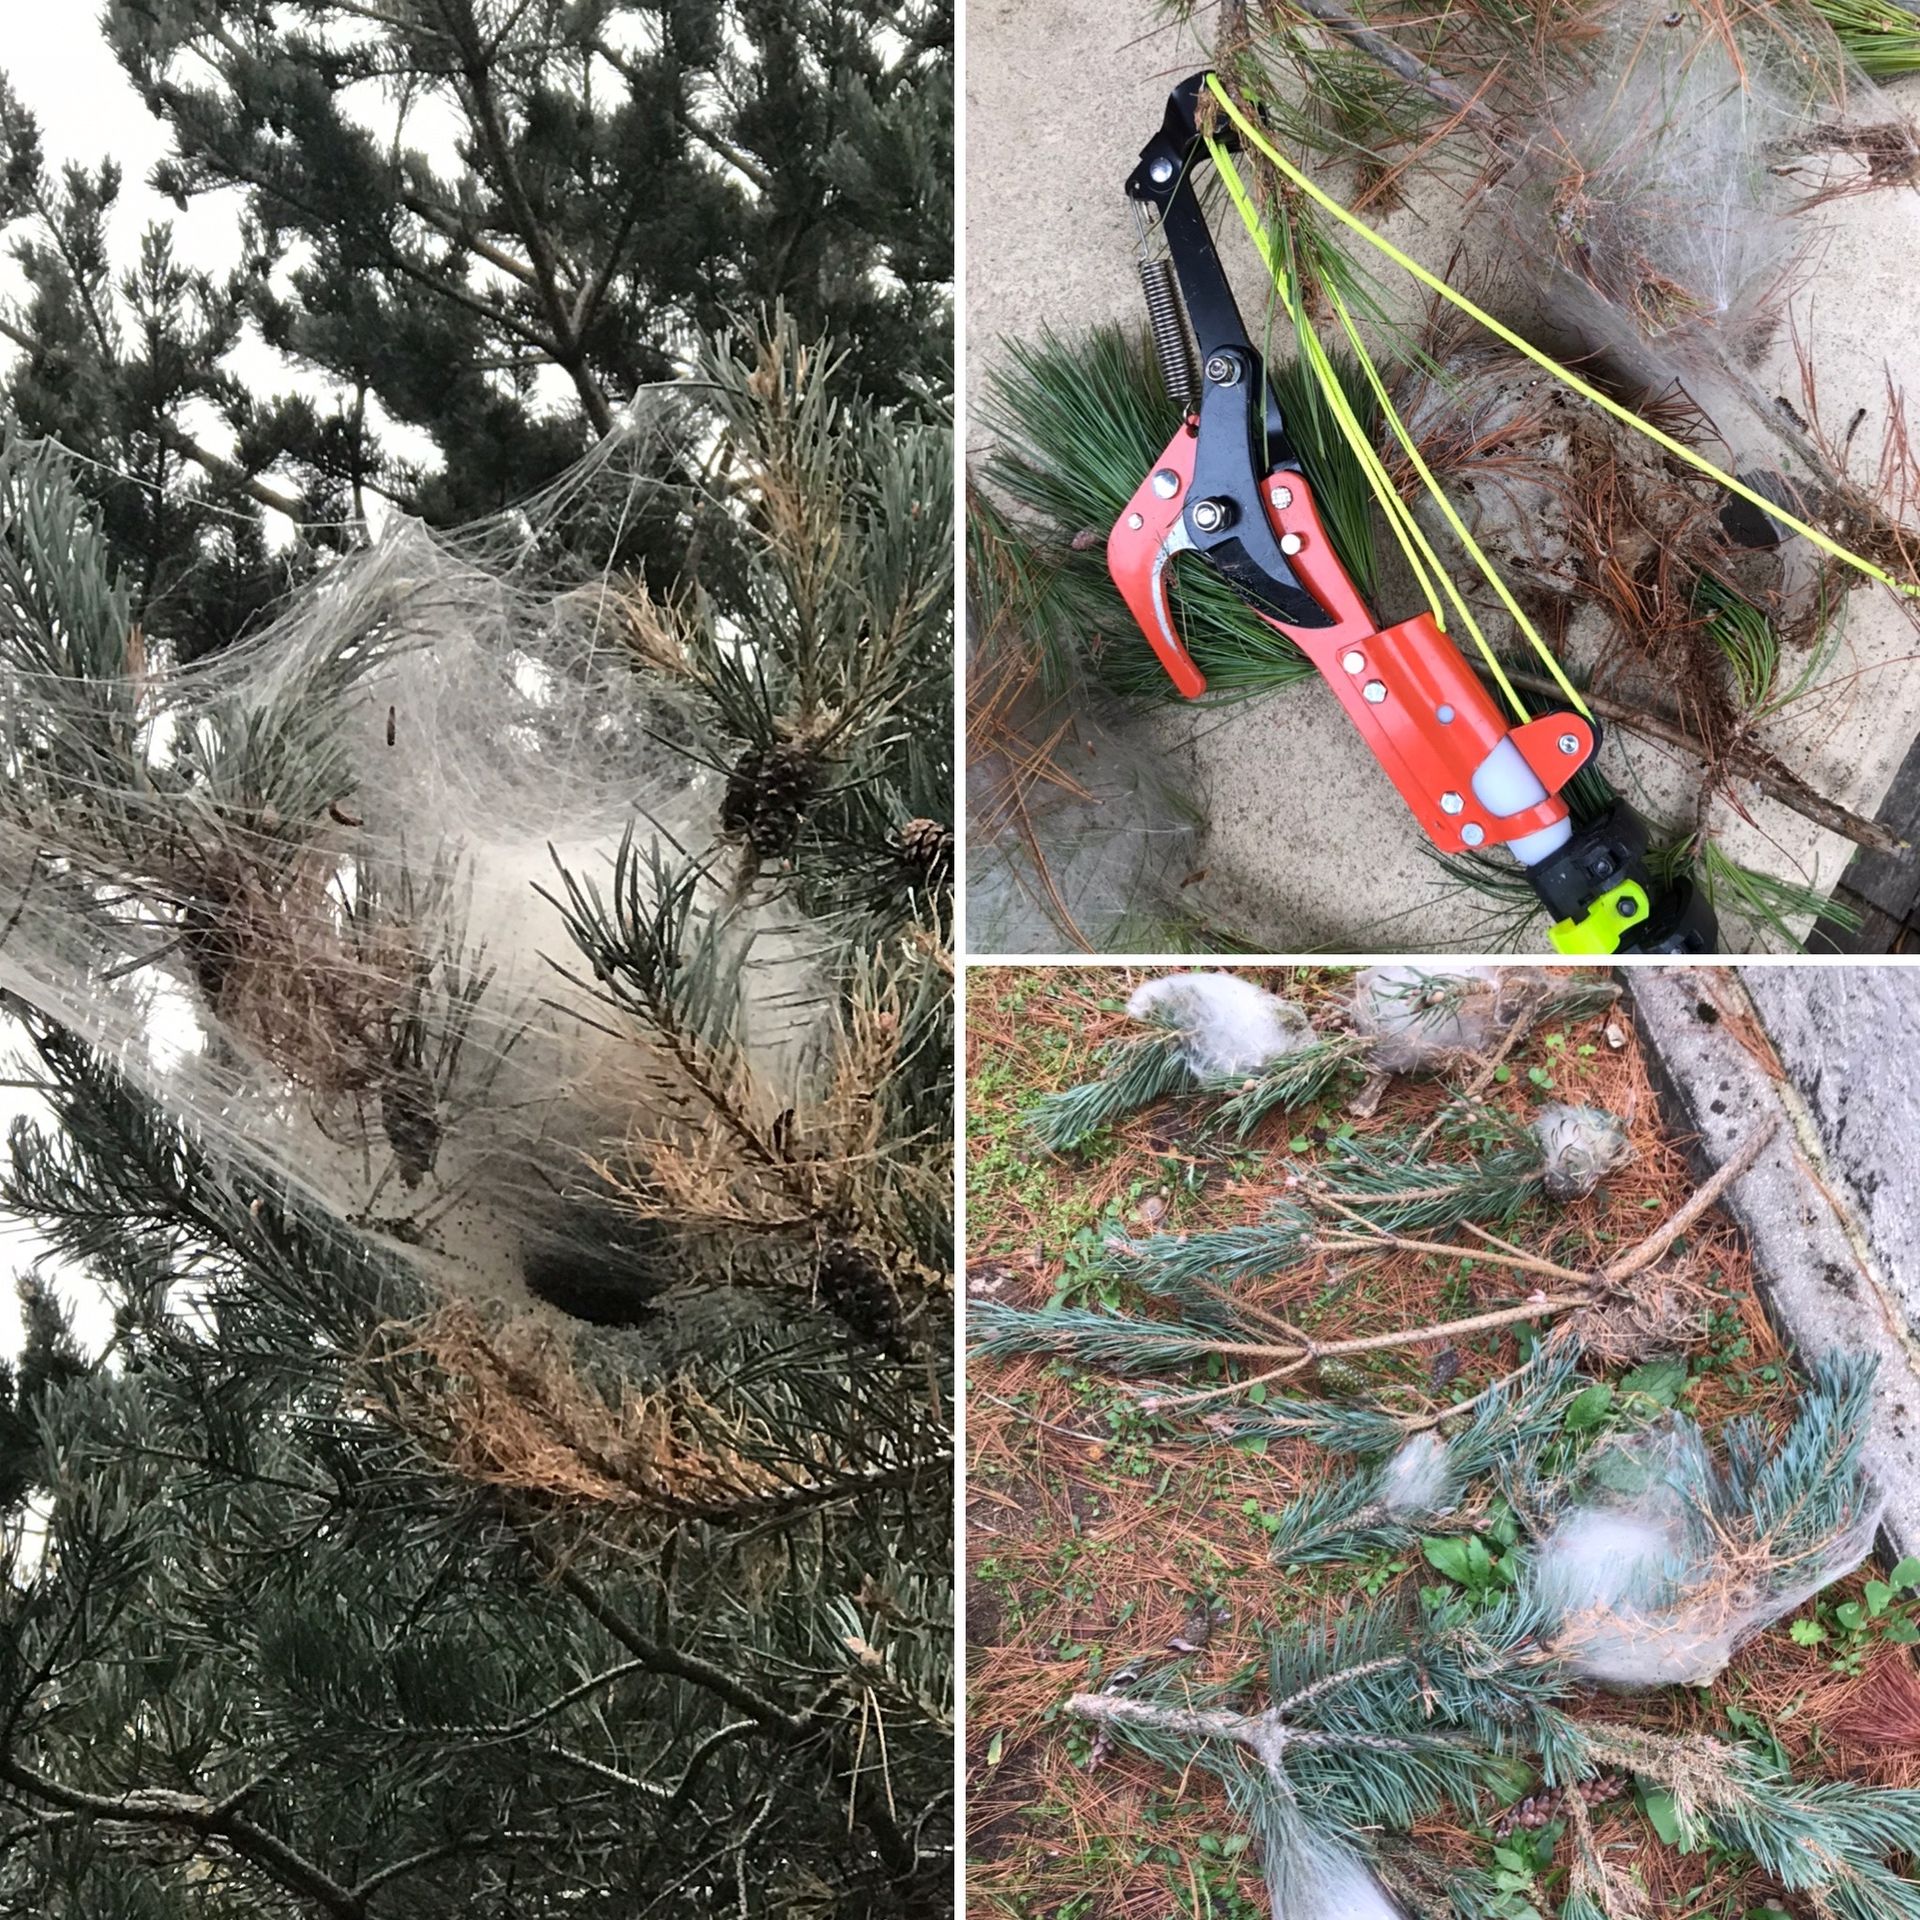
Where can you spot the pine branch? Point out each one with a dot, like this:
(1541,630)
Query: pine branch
(1140,1072)
(1637,1259)
(1173,1265)
(193,1813)
(1294,1080)
(893,1846)
(1391,1504)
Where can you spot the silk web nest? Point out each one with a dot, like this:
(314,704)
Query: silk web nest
(305,893)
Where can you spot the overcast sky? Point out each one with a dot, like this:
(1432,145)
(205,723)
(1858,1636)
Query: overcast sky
(57,62)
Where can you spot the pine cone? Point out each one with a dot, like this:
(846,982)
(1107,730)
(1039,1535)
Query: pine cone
(857,1288)
(924,850)
(768,793)
(1537,1809)
(1446,1368)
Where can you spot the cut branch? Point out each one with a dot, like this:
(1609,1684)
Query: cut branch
(1739,758)
(1636,1259)
(1574,1289)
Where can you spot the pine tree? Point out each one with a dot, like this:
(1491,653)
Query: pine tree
(351,1589)
(630,177)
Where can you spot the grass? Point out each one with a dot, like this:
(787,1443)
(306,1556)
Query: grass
(1095,1530)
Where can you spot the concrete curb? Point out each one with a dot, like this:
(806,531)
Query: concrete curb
(1826,1283)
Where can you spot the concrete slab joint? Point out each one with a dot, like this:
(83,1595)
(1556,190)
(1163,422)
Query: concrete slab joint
(1840,1267)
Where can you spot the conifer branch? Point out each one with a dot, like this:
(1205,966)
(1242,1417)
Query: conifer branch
(1140,1072)
(1221,1330)
(193,1813)
(1637,1259)
(765,1712)
(478,71)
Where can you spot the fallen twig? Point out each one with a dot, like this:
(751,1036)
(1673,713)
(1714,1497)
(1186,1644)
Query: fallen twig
(1574,1288)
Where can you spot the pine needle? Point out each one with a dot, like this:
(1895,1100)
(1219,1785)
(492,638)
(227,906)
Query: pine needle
(1079,424)
(1294,1080)
(1142,1071)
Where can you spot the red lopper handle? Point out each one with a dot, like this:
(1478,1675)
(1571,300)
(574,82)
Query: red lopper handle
(1417,704)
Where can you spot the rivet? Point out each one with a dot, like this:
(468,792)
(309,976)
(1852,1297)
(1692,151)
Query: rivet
(1444,715)
(1354,660)
(1473,833)
(1160,172)
(1375,691)
(1282,497)
(1291,543)
(1135,522)
(1166,483)
(1569,743)
(1451,803)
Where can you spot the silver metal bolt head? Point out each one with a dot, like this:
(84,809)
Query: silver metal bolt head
(1451,803)
(1160,172)
(1473,833)
(1291,543)
(1166,483)
(1354,660)
(1223,370)
(1374,692)
(1569,743)
(1135,522)
(1282,498)
(1208,515)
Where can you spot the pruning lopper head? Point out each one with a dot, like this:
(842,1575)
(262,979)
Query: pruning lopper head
(1230,490)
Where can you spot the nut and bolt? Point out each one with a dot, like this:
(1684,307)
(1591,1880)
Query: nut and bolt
(1135,522)
(1223,369)
(1451,803)
(1374,692)
(1209,515)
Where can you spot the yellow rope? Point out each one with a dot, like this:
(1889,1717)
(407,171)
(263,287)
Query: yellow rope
(1625,415)
(1413,541)
(1475,552)
(1396,509)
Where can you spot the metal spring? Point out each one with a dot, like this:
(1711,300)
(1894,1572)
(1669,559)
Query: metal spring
(1169,327)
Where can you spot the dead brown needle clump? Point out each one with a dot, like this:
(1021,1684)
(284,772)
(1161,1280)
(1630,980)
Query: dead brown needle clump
(510,1410)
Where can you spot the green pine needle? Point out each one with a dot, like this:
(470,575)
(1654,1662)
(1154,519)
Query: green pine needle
(1402,1196)
(1079,424)
(1294,1080)
(1116,1342)
(1223,1257)
(1745,635)
(1141,1072)
(1882,37)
